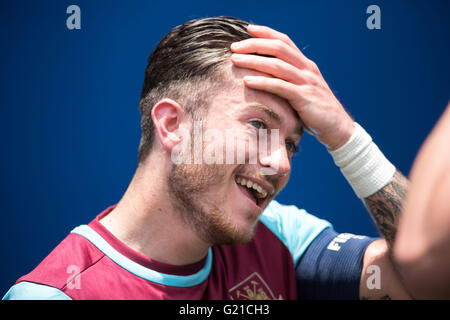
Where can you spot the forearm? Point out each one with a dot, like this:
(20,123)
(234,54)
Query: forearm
(374,180)
(385,207)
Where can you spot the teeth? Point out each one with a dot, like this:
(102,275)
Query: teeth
(261,192)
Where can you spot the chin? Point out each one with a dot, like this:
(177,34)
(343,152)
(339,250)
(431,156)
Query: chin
(238,233)
(247,236)
(240,225)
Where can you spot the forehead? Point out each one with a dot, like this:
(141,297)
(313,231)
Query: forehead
(235,98)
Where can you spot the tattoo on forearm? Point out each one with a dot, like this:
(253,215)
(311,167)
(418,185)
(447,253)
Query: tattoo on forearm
(385,206)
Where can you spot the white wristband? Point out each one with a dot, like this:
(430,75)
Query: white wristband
(363,164)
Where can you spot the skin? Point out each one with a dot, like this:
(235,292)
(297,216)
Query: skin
(297,79)
(422,246)
(218,212)
(163,199)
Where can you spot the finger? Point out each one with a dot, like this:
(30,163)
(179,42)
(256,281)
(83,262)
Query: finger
(273,66)
(272,47)
(276,86)
(294,94)
(269,33)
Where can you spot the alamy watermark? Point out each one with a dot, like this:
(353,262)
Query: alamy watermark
(374,280)
(74,279)
(374,20)
(74,20)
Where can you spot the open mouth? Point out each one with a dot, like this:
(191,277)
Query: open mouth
(252,190)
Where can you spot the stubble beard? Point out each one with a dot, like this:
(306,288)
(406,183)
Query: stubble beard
(188,186)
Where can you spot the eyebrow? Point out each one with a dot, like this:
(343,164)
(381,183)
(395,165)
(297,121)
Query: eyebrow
(299,129)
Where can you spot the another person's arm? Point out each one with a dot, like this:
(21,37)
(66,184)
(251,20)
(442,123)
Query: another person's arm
(422,248)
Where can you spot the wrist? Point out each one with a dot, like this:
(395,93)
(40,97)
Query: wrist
(337,140)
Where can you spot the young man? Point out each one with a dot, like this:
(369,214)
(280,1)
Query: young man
(199,220)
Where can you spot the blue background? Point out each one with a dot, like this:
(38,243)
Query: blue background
(69,120)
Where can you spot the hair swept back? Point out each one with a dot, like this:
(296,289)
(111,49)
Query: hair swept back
(185,66)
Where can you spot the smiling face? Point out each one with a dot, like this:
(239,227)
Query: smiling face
(223,202)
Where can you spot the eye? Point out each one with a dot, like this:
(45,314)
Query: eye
(258,124)
(292,148)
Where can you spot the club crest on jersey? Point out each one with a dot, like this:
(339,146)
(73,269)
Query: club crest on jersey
(252,288)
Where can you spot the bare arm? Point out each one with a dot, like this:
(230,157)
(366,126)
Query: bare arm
(379,278)
(385,207)
(298,80)
(422,248)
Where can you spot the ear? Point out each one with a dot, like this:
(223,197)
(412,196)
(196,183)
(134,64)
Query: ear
(167,115)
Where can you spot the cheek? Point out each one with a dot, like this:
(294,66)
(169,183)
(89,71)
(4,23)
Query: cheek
(279,182)
(239,143)
(283,181)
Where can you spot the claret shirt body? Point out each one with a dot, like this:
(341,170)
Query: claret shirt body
(90,263)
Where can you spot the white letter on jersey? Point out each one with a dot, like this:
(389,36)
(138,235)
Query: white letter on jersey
(342,238)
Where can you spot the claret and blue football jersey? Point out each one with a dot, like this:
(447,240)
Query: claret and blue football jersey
(90,263)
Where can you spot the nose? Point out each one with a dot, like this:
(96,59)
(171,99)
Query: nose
(276,162)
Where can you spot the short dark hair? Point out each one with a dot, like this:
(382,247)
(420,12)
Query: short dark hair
(184,66)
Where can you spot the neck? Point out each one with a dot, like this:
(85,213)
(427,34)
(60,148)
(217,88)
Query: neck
(146,221)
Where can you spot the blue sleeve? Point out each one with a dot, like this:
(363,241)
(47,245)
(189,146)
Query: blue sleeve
(295,227)
(32,291)
(330,269)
